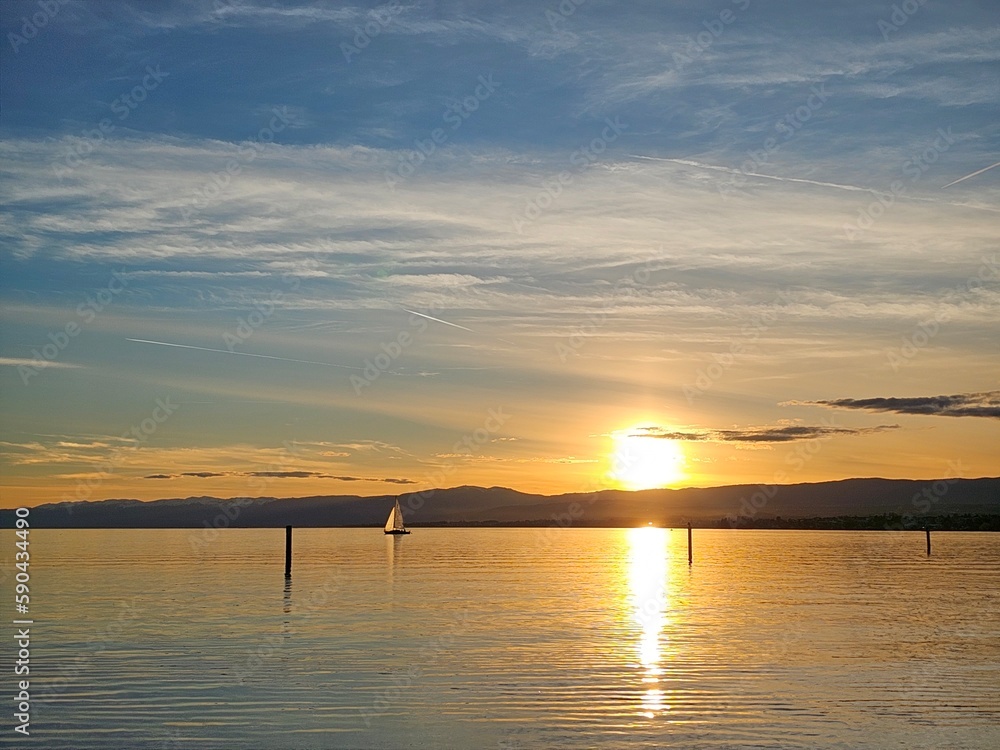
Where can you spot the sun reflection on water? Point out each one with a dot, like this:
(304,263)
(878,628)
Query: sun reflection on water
(648,559)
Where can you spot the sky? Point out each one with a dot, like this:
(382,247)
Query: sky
(259,248)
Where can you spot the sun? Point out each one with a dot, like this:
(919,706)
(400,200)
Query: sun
(642,462)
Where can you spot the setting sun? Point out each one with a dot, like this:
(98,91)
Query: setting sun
(642,462)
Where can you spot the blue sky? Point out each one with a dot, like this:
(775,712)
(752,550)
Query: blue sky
(677,217)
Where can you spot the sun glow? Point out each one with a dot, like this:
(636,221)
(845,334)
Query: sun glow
(640,462)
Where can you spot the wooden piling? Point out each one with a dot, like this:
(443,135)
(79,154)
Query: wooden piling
(288,552)
(927,531)
(689,543)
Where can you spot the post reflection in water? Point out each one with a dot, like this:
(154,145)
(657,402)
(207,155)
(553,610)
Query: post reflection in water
(286,623)
(647,578)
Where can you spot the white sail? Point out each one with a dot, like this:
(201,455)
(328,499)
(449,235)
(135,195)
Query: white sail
(395,522)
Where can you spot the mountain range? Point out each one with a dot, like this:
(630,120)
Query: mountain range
(731,505)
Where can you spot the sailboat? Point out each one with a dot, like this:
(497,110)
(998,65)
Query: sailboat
(395,523)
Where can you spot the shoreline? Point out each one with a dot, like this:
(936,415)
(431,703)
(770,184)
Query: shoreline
(888,522)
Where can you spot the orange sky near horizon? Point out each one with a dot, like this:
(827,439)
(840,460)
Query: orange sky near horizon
(620,457)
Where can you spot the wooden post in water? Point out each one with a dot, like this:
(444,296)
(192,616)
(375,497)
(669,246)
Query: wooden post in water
(689,542)
(927,531)
(288,552)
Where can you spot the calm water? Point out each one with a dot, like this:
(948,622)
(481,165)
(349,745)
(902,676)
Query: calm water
(513,638)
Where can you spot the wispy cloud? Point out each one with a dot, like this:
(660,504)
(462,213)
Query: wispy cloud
(41,363)
(984,404)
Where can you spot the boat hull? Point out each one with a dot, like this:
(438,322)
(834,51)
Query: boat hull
(398,531)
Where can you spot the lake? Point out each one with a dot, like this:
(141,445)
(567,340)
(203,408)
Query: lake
(512,638)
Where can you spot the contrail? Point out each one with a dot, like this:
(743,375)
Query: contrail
(456,325)
(853,188)
(960,179)
(438,320)
(244,354)
(730,170)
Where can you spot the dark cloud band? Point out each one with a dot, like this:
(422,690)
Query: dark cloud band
(985,404)
(780,434)
(279,475)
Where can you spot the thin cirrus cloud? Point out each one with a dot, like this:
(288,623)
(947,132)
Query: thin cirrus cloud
(36,363)
(778,434)
(985,404)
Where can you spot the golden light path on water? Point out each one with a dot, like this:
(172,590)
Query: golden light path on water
(530,638)
(647,579)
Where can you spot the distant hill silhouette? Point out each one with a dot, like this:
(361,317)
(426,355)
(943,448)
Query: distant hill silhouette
(744,505)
